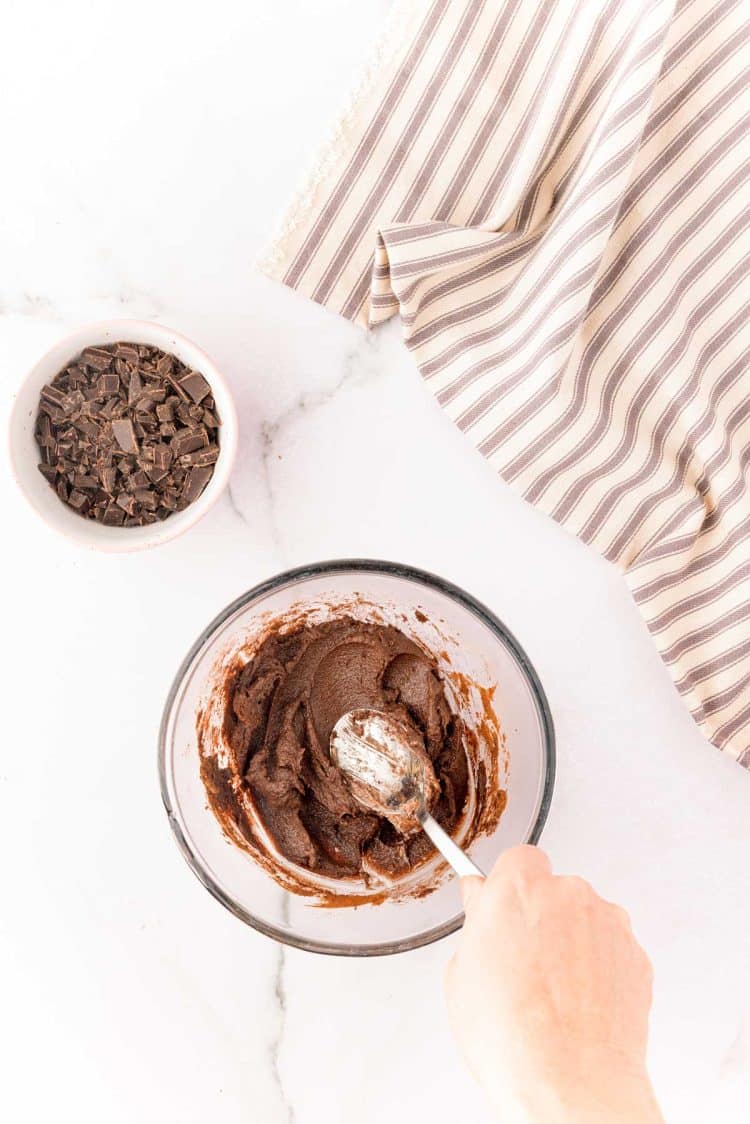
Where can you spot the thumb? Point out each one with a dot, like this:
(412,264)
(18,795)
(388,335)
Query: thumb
(471,887)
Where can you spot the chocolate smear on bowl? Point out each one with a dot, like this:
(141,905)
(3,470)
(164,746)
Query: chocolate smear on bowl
(127,434)
(282,707)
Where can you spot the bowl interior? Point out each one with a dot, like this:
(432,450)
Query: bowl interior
(25,453)
(471,642)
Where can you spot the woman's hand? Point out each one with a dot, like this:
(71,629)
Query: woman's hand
(549,994)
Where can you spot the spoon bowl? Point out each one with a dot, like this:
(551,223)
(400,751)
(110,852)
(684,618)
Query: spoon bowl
(388,771)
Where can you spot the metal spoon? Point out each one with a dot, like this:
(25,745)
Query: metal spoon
(388,770)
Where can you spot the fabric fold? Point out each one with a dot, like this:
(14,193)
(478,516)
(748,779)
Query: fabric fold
(554,198)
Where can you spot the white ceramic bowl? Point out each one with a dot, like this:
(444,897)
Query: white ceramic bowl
(24,453)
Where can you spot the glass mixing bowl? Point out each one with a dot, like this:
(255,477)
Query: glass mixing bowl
(468,641)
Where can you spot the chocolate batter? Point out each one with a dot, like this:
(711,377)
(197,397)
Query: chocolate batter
(281,709)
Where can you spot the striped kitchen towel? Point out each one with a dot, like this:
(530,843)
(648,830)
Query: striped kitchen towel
(554,196)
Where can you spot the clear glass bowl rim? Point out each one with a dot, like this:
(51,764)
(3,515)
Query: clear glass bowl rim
(293,577)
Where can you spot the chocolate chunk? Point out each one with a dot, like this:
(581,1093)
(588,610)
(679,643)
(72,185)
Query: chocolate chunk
(80,480)
(195,385)
(127,351)
(113,516)
(127,502)
(147,499)
(196,481)
(163,455)
(138,480)
(108,477)
(155,474)
(87,426)
(72,402)
(108,384)
(174,383)
(124,435)
(127,434)
(202,457)
(48,471)
(78,501)
(188,440)
(154,394)
(53,395)
(45,437)
(97,357)
(135,388)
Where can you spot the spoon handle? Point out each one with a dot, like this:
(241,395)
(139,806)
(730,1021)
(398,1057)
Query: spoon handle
(450,851)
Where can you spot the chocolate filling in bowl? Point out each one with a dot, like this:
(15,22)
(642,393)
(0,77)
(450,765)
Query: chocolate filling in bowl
(271,781)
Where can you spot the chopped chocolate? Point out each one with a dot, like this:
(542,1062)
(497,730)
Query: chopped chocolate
(181,393)
(72,402)
(155,474)
(80,480)
(90,428)
(202,457)
(196,481)
(49,472)
(109,383)
(188,440)
(100,358)
(147,499)
(196,386)
(135,387)
(78,501)
(127,434)
(138,480)
(127,502)
(124,435)
(113,516)
(52,394)
(127,351)
(163,455)
(108,477)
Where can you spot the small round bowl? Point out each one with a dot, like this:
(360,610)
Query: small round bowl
(24,453)
(468,641)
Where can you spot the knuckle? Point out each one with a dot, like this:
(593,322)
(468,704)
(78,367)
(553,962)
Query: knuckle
(620,915)
(523,863)
(575,886)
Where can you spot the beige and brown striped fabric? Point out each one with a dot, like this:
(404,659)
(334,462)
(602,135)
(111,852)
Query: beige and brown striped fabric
(554,196)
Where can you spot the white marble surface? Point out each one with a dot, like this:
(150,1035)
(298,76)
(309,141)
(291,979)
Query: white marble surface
(148,148)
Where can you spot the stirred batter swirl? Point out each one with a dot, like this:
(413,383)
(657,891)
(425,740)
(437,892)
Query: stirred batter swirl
(281,709)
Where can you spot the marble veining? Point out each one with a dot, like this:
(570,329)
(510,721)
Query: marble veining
(279,990)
